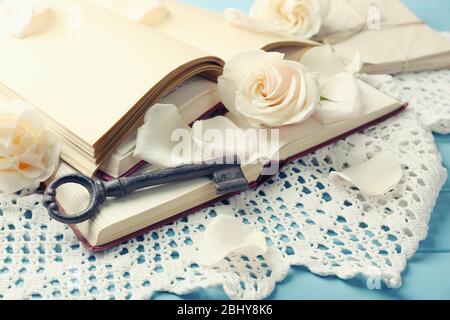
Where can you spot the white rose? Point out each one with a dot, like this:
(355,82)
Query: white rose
(267,90)
(28,153)
(298,18)
(302,18)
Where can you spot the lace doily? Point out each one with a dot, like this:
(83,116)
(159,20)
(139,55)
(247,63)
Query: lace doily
(428,89)
(330,229)
(425,89)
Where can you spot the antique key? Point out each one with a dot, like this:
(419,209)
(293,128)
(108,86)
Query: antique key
(226,173)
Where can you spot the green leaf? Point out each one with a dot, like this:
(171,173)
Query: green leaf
(322,98)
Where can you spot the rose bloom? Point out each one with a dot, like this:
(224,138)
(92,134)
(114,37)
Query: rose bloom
(28,153)
(267,90)
(301,18)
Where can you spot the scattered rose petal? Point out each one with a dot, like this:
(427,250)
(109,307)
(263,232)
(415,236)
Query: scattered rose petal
(166,140)
(338,84)
(342,92)
(219,137)
(227,235)
(374,177)
(18,16)
(148,12)
(355,65)
(323,60)
(29,154)
(155,142)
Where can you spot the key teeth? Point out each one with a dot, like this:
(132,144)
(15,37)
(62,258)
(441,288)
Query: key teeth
(232,186)
(230,180)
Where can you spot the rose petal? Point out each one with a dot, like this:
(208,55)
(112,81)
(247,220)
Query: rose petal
(299,18)
(12,182)
(355,65)
(148,12)
(18,16)
(208,139)
(237,68)
(312,100)
(17,115)
(226,235)
(374,177)
(324,61)
(30,119)
(219,137)
(7,128)
(156,142)
(343,92)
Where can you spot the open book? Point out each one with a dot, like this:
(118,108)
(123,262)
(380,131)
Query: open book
(121,219)
(389,37)
(93,84)
(93,80)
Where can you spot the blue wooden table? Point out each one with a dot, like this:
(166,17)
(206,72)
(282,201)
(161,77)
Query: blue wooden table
(428,273)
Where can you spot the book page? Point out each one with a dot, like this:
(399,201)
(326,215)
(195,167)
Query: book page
(209,31)
(87,68)
(194,98)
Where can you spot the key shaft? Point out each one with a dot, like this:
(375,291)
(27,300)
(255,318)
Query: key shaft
(123,186)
